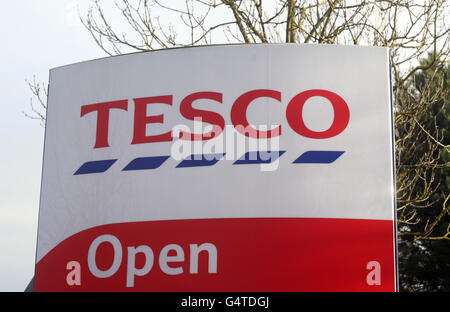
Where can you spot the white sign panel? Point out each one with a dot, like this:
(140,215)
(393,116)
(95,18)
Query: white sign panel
(222,168)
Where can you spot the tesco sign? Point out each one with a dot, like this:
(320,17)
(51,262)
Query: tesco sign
(270,169)
(238,116)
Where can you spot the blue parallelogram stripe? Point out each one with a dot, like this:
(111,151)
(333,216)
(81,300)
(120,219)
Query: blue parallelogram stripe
(318,157)
(200,160)
(258,157)
(95,166)
(145,163)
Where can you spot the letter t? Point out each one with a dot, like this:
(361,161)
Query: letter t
(103,109)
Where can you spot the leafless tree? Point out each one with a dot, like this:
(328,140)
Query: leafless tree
(40,93)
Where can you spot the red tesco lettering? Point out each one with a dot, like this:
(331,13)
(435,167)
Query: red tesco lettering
(238,115)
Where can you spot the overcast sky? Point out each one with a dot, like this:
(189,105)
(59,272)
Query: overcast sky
(35,36)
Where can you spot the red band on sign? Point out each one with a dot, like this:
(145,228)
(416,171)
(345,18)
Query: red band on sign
(247,254)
